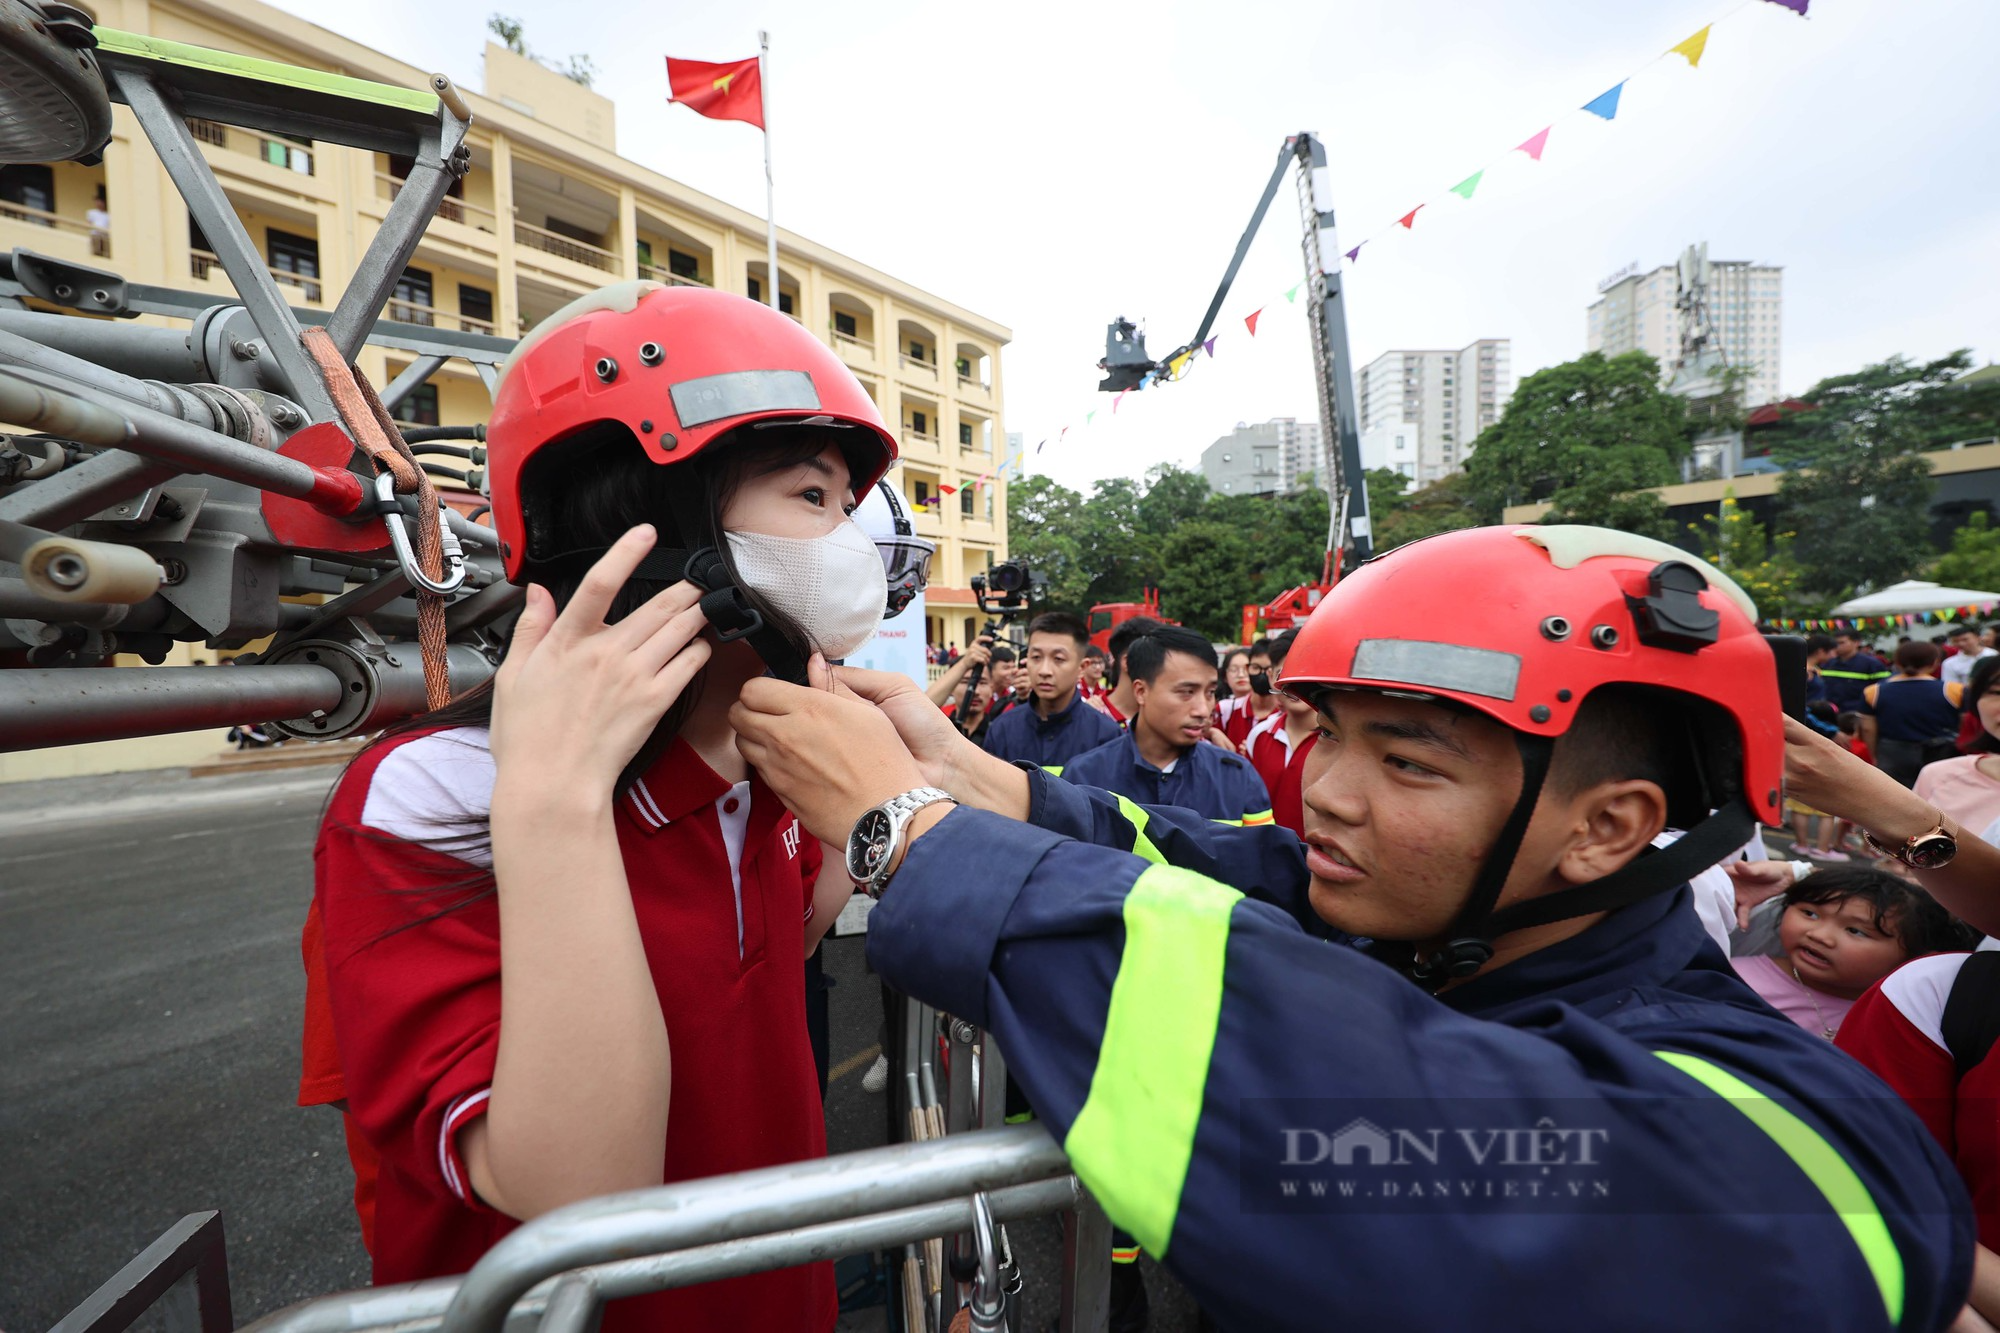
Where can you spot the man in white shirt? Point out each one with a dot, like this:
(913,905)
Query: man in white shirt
(1958,667)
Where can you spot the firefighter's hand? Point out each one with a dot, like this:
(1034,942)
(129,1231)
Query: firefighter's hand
(828,754)
(949,759)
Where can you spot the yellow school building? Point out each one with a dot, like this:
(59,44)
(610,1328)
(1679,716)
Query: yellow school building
(548,212)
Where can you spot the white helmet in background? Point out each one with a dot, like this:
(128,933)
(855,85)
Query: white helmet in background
(906,557)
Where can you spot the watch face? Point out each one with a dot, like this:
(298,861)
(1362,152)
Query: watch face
(1931,852)
(868,845)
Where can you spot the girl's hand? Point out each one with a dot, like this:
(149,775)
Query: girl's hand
(1756,882)
(576,697)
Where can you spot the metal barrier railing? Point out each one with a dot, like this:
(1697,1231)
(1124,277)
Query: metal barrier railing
(727,1226)
(185,1273)
(554,1273)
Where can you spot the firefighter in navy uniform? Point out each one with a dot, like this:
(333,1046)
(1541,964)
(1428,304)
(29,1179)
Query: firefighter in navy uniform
(1184,1005)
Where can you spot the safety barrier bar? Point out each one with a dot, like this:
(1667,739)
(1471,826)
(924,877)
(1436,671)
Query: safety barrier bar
(726,1226)
(185,1272)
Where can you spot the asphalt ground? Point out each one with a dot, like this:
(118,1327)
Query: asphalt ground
(149,1047)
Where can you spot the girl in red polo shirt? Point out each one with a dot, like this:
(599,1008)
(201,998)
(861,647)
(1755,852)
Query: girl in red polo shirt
(561,925)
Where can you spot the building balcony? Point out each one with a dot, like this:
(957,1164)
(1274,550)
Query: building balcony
(572,262)
(205,267)
(51,234)
(654,273)
(430,317)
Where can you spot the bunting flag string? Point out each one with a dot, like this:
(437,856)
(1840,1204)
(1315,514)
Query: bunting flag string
(1604,108)
(1914,620)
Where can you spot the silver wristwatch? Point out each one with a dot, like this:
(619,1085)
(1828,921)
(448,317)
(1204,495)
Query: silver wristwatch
(878,836)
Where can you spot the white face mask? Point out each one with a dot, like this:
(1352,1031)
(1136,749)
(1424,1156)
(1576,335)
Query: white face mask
(832,587)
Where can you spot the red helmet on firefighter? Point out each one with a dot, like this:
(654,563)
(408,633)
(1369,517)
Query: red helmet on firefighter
(1540,617)
(680,368)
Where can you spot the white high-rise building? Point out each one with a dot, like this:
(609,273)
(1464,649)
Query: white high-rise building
(1438,401)
(1745,307)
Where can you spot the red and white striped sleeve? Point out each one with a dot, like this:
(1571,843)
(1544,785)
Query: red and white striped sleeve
(1896,1030)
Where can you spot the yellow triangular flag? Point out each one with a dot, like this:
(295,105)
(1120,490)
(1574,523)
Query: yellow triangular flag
(1692,47)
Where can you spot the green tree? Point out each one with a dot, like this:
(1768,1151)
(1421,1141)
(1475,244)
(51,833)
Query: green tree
(1910,405)
(1580,436)
(1974,558)
(1443,506)
(1861,514)
(1762,565)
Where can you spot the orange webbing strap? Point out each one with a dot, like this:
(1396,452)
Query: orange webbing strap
(371,426)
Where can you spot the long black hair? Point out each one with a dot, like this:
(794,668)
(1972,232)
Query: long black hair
(1984,677)
(588,492)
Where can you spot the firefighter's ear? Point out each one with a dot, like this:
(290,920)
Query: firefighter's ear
(1609,825)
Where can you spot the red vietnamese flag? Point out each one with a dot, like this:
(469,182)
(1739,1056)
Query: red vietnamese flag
(731,90)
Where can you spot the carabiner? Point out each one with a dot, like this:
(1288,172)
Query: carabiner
(394,520)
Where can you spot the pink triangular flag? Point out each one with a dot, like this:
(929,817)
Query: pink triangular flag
(1408,221)
(1250,320)
(1533,147)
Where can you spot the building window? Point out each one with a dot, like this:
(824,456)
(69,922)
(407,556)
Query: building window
(475,306)
(420,407)
(28,187)
(295,255)
(846,325)
(411,302)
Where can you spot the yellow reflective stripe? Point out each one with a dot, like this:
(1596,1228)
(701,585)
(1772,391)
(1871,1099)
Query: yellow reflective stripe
(1135,815)
(1823,1166)
(1133,1139)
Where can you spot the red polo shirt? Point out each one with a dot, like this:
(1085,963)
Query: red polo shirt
(1282,765)
(414,1004)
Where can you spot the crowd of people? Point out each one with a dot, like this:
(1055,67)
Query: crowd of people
(1374,973)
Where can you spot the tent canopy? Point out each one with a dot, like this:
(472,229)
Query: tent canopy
(1910,597)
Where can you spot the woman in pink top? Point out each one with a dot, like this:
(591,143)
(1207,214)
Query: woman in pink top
(1844,929)
(1968,787)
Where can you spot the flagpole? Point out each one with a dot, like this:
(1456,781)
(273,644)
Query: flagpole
(770,190)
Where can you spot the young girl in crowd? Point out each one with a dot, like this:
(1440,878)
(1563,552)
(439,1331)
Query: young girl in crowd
(582,837)
(1844,928)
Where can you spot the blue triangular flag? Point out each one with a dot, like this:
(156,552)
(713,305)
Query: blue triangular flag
(1605,104)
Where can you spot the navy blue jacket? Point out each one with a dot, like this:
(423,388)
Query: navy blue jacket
(1613,1132)
(1021,735)
(1846,680)
(1208,780)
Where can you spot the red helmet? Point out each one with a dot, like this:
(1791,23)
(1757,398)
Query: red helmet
(680,367)
(1538,618)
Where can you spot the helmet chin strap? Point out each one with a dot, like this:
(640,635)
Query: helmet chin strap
(1469,942)
(728,609)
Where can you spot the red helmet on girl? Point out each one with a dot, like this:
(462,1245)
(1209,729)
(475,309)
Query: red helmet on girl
(1521,624)
(679,367)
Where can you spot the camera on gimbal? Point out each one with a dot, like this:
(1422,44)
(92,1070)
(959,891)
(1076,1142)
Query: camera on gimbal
(1011,584)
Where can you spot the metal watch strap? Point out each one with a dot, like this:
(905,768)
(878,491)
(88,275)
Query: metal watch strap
(901,809)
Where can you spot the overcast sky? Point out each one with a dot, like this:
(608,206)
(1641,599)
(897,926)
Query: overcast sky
(1053,165)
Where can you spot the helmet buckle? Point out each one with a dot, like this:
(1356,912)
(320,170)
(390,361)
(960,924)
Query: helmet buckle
(1671,614)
